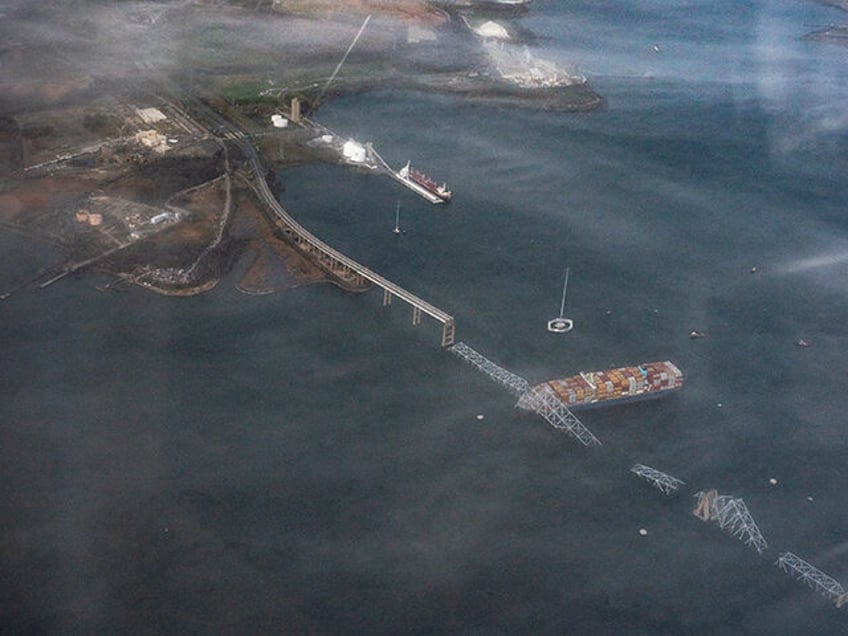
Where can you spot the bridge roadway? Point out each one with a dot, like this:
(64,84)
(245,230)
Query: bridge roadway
(337,263)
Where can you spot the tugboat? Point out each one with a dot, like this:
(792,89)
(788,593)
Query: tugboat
(426,182)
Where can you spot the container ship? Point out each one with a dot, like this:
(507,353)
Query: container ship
(617,386)
(410,173)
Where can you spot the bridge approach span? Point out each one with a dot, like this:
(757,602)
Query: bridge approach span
(331,259)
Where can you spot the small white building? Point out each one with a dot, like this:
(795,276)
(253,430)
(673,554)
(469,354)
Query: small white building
(150,115)
(278,121)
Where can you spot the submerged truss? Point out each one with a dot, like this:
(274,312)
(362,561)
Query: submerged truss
(731,514)
(539,399)
(515,384)
(816,579)
(659,480)
(544,401)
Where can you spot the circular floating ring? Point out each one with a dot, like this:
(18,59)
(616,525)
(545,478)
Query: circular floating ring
(560,325)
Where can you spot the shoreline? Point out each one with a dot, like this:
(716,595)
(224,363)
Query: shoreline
(90,143)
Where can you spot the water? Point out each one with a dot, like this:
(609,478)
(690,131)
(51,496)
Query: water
(312,463)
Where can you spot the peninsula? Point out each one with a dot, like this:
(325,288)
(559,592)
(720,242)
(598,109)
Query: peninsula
(106,153)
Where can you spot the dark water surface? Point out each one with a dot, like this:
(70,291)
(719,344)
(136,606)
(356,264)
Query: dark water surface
(311,463)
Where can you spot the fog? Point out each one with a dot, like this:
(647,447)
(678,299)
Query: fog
(136,42)
(311,463)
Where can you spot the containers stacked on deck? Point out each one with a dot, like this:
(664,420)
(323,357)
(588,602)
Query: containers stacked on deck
(612,386)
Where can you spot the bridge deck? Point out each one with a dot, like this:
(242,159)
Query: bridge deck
(337,260)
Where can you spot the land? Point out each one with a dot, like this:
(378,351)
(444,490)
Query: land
(832,34)
(101,151)
(839,4)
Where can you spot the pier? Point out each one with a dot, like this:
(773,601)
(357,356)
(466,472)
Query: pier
(375,162)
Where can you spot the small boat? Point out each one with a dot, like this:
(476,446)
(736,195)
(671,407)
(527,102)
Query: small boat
(397,229)
(561,324)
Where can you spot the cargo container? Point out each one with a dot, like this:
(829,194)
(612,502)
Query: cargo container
(615,386)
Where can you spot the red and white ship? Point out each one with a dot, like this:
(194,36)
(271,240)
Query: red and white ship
(410,173)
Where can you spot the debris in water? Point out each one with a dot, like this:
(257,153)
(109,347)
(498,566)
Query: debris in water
(480,416)
(773,481)
(696,334)
(803,343)
(643,531)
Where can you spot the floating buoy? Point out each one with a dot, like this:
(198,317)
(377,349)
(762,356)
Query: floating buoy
(643,531)
(480,416)
(773,481)
(560,325)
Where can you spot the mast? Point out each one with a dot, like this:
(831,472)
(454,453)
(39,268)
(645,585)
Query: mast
(564,288)
(397,219)
(561,324)
(341,63)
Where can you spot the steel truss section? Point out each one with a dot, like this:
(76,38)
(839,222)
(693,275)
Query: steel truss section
(731,514)
(816,579)
(544,401)
(513,383)
(539,399)
(659,480)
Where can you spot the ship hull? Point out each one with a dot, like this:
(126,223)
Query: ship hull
(418,181)
(610,387)
(628,399)
(432,189)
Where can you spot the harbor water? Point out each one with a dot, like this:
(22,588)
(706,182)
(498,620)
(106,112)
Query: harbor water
(310,462)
